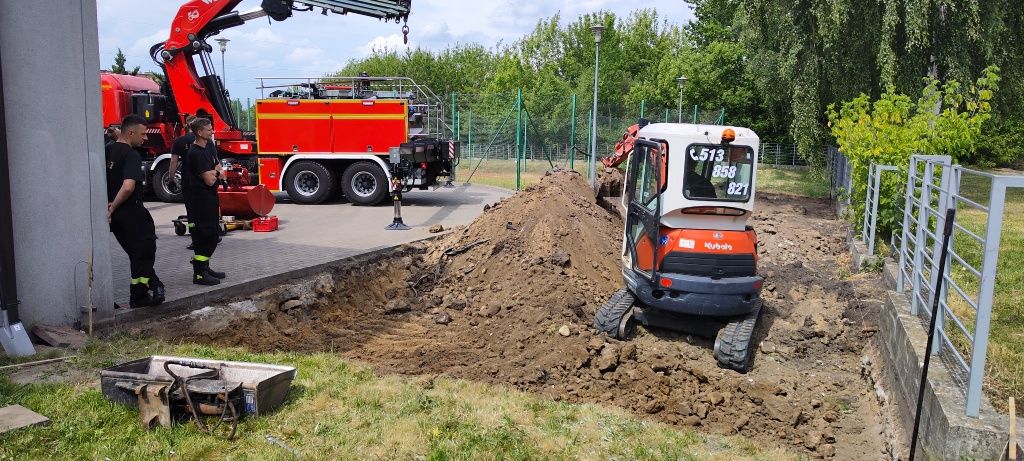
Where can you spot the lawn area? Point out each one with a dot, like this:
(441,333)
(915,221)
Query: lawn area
(502,173)
(341,410)
(792,181)
(1005,364)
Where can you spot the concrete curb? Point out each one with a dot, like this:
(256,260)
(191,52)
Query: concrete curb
(946,431)
(241,290)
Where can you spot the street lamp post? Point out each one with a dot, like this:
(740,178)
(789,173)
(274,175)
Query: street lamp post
(223,47)
(682,81)
(597,29)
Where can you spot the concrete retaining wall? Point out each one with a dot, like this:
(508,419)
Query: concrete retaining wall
(946,432)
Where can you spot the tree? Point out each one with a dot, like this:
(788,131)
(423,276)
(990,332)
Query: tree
(119,68)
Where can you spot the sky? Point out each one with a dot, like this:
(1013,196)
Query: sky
(309,44)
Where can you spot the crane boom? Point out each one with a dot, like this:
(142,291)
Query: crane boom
(204,94)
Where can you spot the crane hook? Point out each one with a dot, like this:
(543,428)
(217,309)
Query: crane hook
(405,34)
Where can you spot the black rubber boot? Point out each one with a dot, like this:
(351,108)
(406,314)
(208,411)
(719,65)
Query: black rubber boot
(159,292)
(139,296)
(200,276)
(214,274)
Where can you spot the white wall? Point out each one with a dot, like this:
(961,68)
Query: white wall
(55,143)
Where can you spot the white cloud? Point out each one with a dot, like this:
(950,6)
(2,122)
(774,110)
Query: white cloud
(304,55)
(391,42)
(142,45)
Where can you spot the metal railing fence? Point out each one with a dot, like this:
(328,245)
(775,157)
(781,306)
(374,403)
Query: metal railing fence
(933,186)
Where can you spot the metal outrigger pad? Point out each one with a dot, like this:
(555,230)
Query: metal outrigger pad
(397,224)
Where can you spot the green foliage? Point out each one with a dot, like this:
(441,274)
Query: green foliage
(119,68)
(944,121)
(1001,144)
(772,65)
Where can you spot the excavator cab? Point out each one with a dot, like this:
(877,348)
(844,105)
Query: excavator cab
(689,260)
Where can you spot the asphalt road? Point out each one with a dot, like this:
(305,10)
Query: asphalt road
(309,235)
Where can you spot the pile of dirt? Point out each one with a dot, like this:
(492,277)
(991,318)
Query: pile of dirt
(610,182)
(510,299)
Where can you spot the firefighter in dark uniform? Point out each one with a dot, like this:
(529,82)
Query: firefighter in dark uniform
(179,149)
(130,221)
(201,175)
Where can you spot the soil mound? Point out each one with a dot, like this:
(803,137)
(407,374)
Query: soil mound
(510,299)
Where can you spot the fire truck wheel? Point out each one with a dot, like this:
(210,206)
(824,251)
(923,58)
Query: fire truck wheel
(364,183)
(310,182)
(164,186)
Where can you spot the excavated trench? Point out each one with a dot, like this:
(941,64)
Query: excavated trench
(509,300)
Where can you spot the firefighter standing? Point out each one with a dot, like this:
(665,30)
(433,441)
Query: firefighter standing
(179,150)
(129,220)
(201,174)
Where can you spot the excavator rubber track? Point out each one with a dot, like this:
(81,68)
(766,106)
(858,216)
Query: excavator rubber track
(615,316)
(734,345)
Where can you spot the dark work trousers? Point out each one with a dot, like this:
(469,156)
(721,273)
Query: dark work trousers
(133,228)
(204,212)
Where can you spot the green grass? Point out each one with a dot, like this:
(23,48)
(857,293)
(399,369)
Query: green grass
(341,410)
(502,173)
(803,182)
(1005,364)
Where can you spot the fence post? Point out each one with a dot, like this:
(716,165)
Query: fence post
(908,206)
(989,264)
(922,224)
(572,136)
(940,223)
(643,104)
(694,114)
(666,115)
(867,207)
(455,120)
(519,127)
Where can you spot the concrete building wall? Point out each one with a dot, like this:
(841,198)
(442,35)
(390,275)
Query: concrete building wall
(55,143)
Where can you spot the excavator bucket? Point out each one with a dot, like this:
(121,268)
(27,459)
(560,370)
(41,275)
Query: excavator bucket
(383,9)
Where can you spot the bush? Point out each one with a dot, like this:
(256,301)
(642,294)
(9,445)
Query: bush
(891,129)
(1002,144)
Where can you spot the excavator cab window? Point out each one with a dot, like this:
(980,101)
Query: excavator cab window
(718,172)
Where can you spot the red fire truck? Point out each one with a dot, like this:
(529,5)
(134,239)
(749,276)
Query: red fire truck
(123,95)
(314,137)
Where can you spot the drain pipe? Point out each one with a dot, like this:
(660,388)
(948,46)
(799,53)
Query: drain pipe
(9,281)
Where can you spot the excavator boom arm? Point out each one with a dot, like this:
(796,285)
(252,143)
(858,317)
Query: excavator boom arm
(623,148)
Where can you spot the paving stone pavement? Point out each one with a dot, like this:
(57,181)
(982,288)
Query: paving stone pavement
(309,235)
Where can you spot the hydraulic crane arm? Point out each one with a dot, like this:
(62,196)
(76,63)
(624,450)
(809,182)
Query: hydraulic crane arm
(623,148)
(197,20)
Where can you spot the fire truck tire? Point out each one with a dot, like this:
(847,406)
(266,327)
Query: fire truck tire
(309,182)
(615,317)
(364,183)
(165,191)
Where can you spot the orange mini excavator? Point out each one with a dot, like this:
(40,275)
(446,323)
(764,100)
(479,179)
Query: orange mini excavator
(689,259)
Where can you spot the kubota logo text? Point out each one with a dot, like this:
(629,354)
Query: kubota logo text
(718,246)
